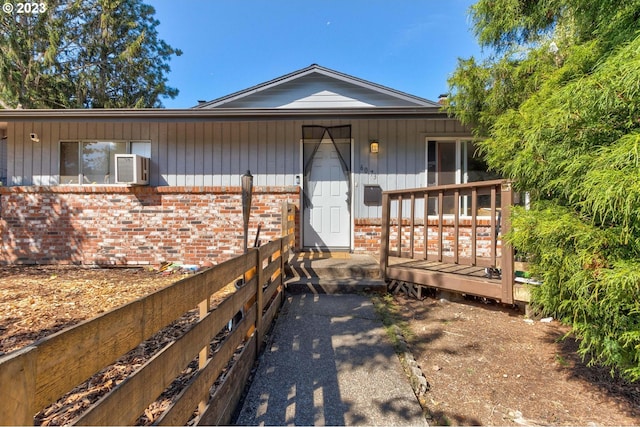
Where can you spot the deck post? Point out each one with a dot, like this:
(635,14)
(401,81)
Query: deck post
(384,235)
(440,223)
(426,225)
(456,225)
(474,225)
(494,234)
(412,224)
(400,200)
(506,201)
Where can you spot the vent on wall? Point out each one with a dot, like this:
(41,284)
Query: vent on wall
(132,169)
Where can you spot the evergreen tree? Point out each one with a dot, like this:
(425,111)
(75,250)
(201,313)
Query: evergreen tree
(84,54)
(557,109)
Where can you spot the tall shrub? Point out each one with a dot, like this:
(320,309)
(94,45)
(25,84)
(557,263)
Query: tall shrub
(557,109)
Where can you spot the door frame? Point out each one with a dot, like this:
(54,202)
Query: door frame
(351,192)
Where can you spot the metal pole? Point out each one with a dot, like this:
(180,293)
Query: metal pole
(247,189)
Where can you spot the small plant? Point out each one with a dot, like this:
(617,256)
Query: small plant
(388,311)
(560,360)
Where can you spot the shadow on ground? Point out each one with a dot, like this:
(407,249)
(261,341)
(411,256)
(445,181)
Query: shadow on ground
(330,364)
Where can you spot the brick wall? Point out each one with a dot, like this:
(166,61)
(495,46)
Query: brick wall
(148,225)
(133,225)
(367,235)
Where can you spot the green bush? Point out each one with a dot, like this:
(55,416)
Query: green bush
(557,110)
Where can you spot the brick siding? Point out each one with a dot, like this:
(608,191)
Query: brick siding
(133,225)
(367,235)
(147,225)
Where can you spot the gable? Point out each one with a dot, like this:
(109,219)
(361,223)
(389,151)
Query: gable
(318,87)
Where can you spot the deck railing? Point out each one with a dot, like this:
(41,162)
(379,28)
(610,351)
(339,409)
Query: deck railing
(38,375)
(457,224)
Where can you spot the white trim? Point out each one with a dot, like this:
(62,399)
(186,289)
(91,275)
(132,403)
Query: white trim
(351,201)
(460,157)
(301,197)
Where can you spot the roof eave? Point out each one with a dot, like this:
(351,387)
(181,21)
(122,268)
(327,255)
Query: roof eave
(220,113)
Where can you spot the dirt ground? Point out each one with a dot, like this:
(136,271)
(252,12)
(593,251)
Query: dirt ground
(488,365)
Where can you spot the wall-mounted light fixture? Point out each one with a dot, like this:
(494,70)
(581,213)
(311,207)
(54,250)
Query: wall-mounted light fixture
(374,147)
(34,137)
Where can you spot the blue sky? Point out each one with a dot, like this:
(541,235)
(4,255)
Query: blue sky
(230,45)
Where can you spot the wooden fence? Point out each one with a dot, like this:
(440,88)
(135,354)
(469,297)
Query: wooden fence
(455,226)
(38,375)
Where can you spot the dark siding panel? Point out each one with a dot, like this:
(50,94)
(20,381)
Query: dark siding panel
(216,165)
(54,158)
(190,152)
(200,151)
(207,158)
(234,150)
(154,136)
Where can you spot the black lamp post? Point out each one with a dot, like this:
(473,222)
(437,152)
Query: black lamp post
(247,189)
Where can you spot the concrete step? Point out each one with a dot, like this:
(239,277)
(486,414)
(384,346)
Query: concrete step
(317,285)
(353,267)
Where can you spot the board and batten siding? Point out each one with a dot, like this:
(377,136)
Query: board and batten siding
(317,91)
(217,153)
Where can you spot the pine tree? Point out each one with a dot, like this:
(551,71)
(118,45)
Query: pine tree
(557,107)
(84,54)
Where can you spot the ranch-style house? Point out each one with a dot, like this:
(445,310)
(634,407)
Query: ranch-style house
(142,186)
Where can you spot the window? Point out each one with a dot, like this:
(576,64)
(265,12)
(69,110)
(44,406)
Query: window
(93,162)
(456,162)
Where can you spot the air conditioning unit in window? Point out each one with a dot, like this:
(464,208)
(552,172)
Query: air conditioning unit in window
(132,169)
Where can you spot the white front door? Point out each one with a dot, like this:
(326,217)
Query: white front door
(327,219)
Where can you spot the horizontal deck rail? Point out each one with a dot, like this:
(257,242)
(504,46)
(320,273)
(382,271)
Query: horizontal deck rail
(40,374)
(458,224)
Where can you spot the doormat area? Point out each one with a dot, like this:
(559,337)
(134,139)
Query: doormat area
(323,255)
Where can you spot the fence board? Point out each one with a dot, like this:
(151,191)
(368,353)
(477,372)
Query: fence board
(126,402)
(270,314)
(269,249)
(186,402)
(96,343)
(224,401)
(43,372)
(17,407)
(270,270)
(271,289)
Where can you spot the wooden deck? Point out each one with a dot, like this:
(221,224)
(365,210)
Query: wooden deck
(426,242)
(464,279)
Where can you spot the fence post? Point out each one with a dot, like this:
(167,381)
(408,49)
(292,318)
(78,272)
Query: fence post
(506,201)
(203,356)
(259,299)
(284,250)
(284,222)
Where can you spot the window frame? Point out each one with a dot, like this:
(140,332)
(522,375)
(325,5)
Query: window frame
(461,171)
(80,179)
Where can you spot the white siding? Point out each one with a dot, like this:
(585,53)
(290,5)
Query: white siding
(317,91)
